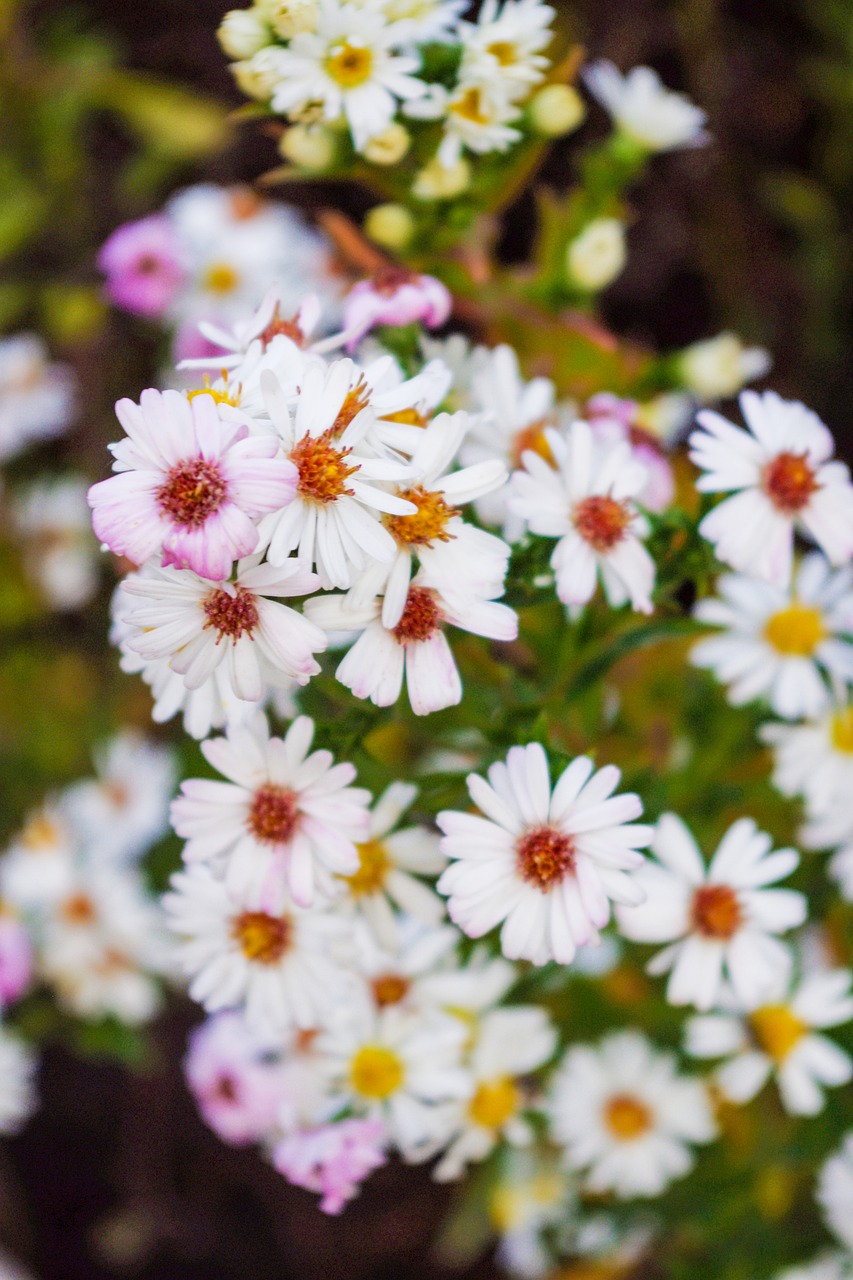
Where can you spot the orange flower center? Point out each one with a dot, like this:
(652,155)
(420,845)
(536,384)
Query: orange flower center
(262,938)
(469,105)
(789,482)
(193,490)
(421,617)
(290,329)
(79,909)
(532,439)
(323,470)
(273,814)
(716,911)
(544,857)
(601,521)
(494,1102)
(230,615)
(221,278)
(429,522)
(390,988)
(627,1117)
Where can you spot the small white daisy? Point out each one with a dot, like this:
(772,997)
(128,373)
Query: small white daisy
(835,1192)
(782,479)
(718,919)
(60,553)
(511,1043)
(780,1037)
(415,647)
(399,975)
(284,816)
(814,759)
(389,864)
(401,1067)
(644,109)
(348,67)
(782,644)
(624,1115)
(36,397)
(478,115)
(505,44)
(283,964)
(200,625)
(17,1088)
(38,866)
(587,502)
(545,864)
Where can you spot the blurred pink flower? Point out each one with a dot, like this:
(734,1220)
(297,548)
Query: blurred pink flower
(237,1090)
(613,419)
(332,1160)
(142,263)
(394,297)
(16,959)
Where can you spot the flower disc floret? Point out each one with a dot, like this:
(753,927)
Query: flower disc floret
(421,618)
(262,938)
(231,614)
(715,911)
(627,1117)
(428,524)
(323,469)
(273,814)
(602,521)
(789,482)
(545,857)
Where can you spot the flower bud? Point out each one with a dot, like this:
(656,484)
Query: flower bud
(436,182)
(719,367)
(242,33)
(256,77)
(309,146)
(289,18)
(390,225)
(597,255)
(556,109)
(389,146)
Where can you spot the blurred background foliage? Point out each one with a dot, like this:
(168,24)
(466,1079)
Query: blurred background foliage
(106,109)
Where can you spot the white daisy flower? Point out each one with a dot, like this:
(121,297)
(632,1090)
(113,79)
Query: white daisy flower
(349,68)
(424,21)
(718,919)
(643,108)
(400,975)
(782,644)
(833,829)
(330,521)
(511,1043)
(36,397)
(478,115)
(60,552)
(284,816)
(400,1067)
(546,864)
(122,812)
(455,558)
(389,864)
(780,1038)
(284,965)
(835,1192)
(101,944)
(505,44)
(17,1092)
(38,866)
(416,647)
(782,480)
(624,1115)
(587,502)
(815,759)
(199,625)
(469,991)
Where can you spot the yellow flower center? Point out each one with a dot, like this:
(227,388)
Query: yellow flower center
(795,632)
(494,1102)
(532,438)
(409,417)
(323,469)
(376,1072)
(349,65)
(41,833)
(221,278)
(777,1030)
(469,105)
(226,396)
(262,938)
(429,522)
(504,51)
(841,731)
(627,1117)
(373,867)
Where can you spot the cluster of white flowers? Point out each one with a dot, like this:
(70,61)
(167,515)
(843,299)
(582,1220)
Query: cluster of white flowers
(76,918)
(37,397)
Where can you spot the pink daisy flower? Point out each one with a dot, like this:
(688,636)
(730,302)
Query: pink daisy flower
(142,263)
(189,484)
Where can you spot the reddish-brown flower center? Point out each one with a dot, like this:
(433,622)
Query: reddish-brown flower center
(544,857)
(290,329)
(356,399)
(532,438)
(229,614)
(427,524)
(148,264)
(262,938)
(389,988)
(387,280)
(273,814)
(78,909)
(601,521)
(226,1089)
(716,911)
(322,467)
(193,490)
(789,482)
(421,617)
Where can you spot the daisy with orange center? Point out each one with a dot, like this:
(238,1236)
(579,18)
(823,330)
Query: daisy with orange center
(782,478)
(624,1116)
(780,1038)
(588,501)
(717,921)
(282,965)
(284,817)
(543,864)
(791,646)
